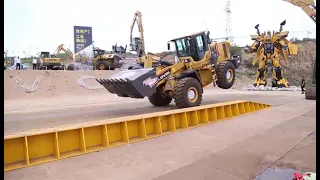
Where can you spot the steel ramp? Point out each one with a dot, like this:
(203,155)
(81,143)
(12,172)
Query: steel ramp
(41,146)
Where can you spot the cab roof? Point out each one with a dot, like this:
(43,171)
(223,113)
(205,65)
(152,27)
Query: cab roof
(190,35)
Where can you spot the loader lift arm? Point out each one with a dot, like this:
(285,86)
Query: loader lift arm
(137,43)
(308,6)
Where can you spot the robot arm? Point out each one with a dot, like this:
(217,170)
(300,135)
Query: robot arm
(289,46)
(253,48)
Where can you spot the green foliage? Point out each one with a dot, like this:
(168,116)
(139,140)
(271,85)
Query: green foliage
(235,50)
(82,58)
(26,60)
(64,57)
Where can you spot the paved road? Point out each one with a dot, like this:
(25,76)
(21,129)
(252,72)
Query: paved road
(83,111)
(235,149)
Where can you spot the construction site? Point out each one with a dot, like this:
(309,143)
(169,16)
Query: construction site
(204,109)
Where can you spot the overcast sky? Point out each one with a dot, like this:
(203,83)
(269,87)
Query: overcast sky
(41,25)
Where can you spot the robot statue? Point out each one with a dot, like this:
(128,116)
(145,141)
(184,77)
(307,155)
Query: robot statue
(269,46)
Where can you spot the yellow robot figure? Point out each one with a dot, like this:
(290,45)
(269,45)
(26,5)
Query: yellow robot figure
(270,46)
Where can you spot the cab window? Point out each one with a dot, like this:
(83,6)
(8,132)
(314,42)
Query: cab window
(200,43)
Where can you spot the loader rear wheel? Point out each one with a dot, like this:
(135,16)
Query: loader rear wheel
(226,75)
(188,93)
(157,99)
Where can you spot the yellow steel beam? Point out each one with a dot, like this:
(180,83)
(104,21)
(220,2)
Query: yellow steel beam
(36,147)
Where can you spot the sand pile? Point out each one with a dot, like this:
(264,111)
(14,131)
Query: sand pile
(53,83)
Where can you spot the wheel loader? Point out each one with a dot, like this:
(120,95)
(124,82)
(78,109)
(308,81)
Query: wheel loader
(183,81)
(104,61)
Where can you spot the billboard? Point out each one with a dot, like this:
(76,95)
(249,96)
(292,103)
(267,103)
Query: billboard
(82,37)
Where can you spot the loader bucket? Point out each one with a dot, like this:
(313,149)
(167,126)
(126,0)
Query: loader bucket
(138,83)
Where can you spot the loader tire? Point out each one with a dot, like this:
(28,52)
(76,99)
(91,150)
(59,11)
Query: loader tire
(188,93)
(157,99)
(226,75)
(101,65)
(310,93)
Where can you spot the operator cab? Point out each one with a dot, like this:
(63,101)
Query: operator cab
(136,42)
(45,54)
(98,52)
(194,45)
(136,45)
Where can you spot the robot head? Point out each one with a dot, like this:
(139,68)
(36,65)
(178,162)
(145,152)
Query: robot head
(268,36)
(268,32)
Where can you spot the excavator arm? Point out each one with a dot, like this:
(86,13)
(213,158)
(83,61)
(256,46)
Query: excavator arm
(66,50)
(140,46)
(308,6)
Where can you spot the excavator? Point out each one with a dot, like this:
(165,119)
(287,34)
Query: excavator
(309,7)
(137,44)
(51,61)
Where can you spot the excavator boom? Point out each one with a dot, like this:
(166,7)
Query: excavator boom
(140,46)
(66,50)
(308,6)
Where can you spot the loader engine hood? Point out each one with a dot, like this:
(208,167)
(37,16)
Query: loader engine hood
(138,83)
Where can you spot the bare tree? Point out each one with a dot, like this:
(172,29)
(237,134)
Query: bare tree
(82,58)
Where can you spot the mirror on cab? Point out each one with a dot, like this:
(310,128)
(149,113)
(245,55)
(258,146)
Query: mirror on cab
(168,46)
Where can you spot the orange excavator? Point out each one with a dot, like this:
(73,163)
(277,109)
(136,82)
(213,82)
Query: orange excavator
(309,7)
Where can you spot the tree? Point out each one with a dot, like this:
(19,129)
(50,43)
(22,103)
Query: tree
(235,50)
(82,58)
(64,57)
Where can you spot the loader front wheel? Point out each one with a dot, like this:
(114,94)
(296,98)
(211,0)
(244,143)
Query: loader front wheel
(157,99)
(226,75)
(101,65)
(188,93)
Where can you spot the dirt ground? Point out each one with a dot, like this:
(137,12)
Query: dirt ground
(53,84)
(59,84)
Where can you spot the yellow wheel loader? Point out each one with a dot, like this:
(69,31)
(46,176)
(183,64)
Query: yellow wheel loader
(104,61)
(198,67)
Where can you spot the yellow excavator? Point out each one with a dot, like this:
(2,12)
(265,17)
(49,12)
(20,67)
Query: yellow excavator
(51,61)
(309,7)
(137,44)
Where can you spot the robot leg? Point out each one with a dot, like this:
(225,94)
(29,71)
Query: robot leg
(278,79)
(261,74)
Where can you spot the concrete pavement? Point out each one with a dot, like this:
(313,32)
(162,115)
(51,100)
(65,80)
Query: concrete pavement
(287,145)
(70,110)
(239,148)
